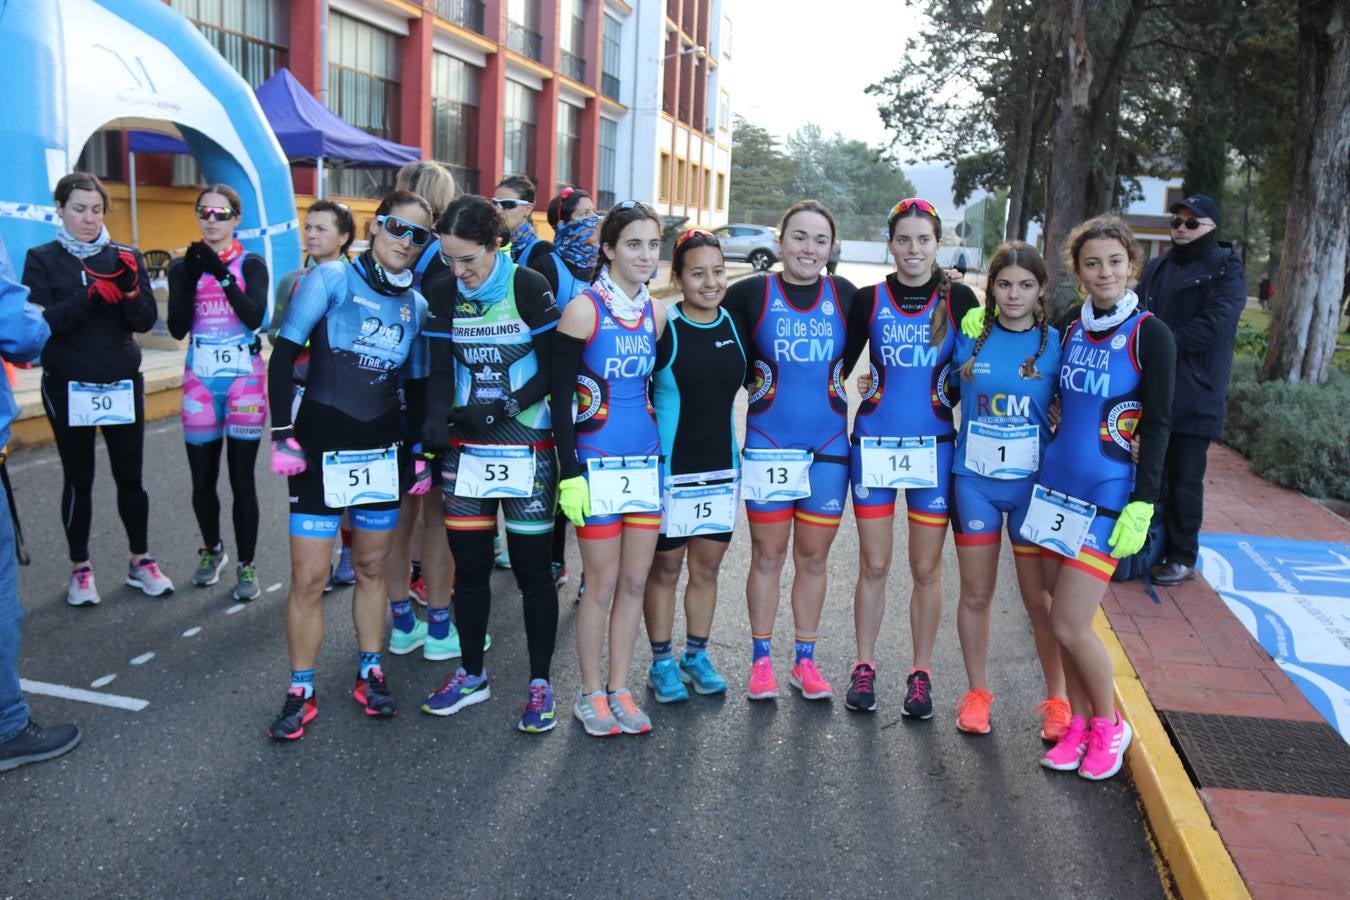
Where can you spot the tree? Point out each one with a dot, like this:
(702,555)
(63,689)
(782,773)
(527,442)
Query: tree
(855,181)
(761,176)
(1317,228)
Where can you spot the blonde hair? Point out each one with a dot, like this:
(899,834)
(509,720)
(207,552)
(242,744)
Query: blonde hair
(431,181)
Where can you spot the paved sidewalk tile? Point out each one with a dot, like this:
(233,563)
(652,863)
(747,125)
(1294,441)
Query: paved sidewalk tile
(1285,844)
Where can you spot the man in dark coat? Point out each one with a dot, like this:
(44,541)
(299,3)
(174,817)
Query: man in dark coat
(1198,289)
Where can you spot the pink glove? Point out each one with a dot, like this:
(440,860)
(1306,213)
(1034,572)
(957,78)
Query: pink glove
(288,458)
(421,478)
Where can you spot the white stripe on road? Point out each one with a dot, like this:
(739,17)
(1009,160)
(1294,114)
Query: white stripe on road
(194,630)
(274,587)
(234,609)
(143,658)
(134,704)
(101,682)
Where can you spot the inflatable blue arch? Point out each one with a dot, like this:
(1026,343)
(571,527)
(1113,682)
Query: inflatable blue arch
(81,65)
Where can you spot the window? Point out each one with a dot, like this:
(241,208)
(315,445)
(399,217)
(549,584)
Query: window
(680,167)
(608,153)
(468,13)
(568,168)
(522,29)
(721,190)
(609,59)
(363,87)
(102,156)
(663,180)
(724,110)
(726,37)
(572,41)
(706,198)
(521,112)
(252,35)
(454,119)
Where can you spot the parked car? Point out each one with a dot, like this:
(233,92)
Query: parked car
(755,244)
(833,262)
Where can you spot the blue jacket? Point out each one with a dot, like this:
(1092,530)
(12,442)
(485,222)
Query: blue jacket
(23,331)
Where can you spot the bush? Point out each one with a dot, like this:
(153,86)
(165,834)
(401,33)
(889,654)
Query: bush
(1293,434)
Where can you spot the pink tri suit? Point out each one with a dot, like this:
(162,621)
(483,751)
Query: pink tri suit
(224,380)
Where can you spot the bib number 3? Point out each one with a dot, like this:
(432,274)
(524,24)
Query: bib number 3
(1057,521)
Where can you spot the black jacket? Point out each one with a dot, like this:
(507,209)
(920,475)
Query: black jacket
(91,340)
(1199,293)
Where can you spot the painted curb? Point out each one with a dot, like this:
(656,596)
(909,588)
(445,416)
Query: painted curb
(1195,854)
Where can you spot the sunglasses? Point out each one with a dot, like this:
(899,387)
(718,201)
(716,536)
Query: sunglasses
(460,262)
(1191,224)
(215,213)
(693,233)
(399,229)
(636,204)
(904,205)
(508,203)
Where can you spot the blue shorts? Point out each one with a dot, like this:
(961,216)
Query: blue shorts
(312,518)
(1110,497)
(927,506)
(979,505)
(825,506)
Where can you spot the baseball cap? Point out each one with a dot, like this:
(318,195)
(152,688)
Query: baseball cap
(1200,205)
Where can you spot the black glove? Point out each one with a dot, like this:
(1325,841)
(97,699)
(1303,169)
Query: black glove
(480,416)
(435,434)
(129,277)
(207,260)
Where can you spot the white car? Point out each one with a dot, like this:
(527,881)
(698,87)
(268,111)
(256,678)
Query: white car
(756,244)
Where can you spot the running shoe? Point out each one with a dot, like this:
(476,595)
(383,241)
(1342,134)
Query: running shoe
(458,691)
(665,681)
(1055,713)
(33,743)
(147,576)
(417,589)
(559,574)
(805,677)
(631,719)
(81,591)
(1106,745)
(1068,752)
(763,685)
(697,669)
(593,711)
(918,696)
(345,573)
(441,649)
(210,563)
(404,642)
(246,586)
(540,715)
(373,693)
(972,712)
(298,712)
(862,692)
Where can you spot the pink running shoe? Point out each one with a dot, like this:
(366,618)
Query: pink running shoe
(1068,753)
(763,685)
(1106,745)
(806,678)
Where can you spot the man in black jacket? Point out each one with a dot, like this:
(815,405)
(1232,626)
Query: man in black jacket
(1199,290)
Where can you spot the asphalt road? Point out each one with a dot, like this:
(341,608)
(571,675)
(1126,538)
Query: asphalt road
(187,797)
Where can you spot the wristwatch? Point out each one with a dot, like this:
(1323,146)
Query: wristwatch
(510,406)
(225,282)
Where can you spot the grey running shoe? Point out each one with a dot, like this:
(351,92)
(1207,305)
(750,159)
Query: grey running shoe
(81,591)
(210,563)
(593,711)
(147,576)
(247,589)
(631,719)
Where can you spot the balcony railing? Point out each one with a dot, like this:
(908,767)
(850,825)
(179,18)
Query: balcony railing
(609,85)
(468,13)
(524,41)
(573,66)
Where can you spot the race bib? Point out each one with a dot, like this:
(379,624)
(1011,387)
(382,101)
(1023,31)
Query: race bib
(770,474)
(624,484)
(1005,452)
(899,462)
(693,509)
(221,357)
(1057,521)
(495,471)
(101,404)
(360,477)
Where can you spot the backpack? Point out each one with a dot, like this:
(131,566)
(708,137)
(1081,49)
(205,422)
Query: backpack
(1150,555)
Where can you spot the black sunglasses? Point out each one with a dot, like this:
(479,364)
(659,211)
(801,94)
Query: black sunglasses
(1191,224)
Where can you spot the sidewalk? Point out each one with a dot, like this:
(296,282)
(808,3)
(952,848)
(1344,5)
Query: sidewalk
(163,371)
(1243,729)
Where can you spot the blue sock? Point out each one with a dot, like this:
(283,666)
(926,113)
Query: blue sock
(763,646)
(662,650)
(694,644)
(404,620)
(369,661)
(303,679)
(438,623)
(806,647)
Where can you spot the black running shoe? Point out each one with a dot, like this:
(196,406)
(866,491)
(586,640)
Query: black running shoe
(918,696)
(862,695)
(372,693)
(298,712)
(33,743)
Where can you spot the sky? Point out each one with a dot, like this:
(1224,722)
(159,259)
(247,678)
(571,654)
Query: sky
(802,61)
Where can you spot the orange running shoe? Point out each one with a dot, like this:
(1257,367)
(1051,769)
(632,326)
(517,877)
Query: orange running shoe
(972,713)
(1055,713)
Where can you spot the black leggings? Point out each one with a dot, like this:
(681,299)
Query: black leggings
(560,524)
(204,461)
(126,447)
(473,595)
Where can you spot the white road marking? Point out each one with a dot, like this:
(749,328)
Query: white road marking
(134,704)
(100,682)
(274,588)
(143,658)
(234,609)
(194,630)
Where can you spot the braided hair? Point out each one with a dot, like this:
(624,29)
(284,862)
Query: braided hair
(1022,255)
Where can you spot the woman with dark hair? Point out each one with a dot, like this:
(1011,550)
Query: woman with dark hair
(795,470)
(344,449)
(487,411)
(218,300)
(609,456)
(95,294)
(514,199)
(570,264)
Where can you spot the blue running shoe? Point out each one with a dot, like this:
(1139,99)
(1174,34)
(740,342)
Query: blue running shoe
(540,715)
(459,691)
(697,669)
(664,678)
(344,573)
